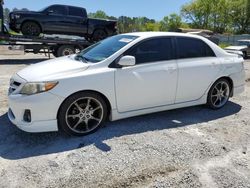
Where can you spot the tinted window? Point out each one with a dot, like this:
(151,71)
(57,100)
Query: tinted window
(57,10)
(192,48)
(152,50)
(76,12)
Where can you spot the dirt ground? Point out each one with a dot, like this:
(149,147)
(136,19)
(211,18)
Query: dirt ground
(190,147)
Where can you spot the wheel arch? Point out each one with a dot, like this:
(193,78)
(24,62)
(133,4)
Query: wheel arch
(91,91)
(99,28)
(231,84)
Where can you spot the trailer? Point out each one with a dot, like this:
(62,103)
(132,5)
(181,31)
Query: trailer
(52,45)
(58,46)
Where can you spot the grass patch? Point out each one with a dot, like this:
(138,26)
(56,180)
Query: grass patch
(224,45)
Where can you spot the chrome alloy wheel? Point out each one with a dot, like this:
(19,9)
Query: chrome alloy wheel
(84,115)
(220,94)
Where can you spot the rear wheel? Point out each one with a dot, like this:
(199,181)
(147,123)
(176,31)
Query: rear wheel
(82,113)
(31,29)
(245,55)
(65,50)
(99,34)
(219,94)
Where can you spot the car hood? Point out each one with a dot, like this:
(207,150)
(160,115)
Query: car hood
(236,47)
(52,69)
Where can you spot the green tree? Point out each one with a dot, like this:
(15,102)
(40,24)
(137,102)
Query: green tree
(6,13)
(197,12)
(239,11)
(98,14)
(170,23)
(218,15)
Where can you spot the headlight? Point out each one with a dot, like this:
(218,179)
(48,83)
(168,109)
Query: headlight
(33,88)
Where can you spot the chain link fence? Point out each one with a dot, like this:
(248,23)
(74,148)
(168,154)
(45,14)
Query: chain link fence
(232,39)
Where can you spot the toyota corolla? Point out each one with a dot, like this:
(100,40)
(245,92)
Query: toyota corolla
(123,76)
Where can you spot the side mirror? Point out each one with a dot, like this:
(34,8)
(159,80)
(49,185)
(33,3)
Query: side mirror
(127,61)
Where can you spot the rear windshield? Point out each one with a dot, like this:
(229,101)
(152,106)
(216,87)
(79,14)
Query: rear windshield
(104,49)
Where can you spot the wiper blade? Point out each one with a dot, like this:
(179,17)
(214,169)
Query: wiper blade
(81,58)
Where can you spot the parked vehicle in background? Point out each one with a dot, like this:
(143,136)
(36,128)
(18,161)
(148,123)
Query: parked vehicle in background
(208,35)
(243,46)
(123,76)
(62,19)
(201,32)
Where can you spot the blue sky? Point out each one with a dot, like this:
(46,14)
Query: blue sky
(155,9)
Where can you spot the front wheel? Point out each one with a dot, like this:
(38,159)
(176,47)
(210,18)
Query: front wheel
(219,94)
(82,113)
(31,29)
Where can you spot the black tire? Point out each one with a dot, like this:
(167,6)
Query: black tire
(245,55)
(31,29)
(54,52)
(65,50)
(219,94)
(99,34)
(75,111)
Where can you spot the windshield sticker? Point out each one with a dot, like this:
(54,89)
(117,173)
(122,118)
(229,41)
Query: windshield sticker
(126,40)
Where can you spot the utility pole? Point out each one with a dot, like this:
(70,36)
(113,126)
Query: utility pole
(1,17)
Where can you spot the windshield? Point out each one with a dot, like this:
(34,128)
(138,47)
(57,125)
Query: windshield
(104,49)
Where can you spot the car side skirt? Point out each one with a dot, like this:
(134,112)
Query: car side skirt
(115,115)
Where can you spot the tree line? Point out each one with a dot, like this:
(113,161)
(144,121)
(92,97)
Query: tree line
(220,16)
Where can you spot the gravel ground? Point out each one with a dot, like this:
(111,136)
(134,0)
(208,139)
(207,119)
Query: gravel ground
(191,147)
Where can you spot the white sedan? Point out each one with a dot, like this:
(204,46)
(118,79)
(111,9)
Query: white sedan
(123,76)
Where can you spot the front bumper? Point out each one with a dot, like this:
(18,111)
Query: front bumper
(43,108)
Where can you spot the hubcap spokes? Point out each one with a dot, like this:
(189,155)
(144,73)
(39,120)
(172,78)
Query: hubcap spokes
(67,52)
(84,115)
(220,94)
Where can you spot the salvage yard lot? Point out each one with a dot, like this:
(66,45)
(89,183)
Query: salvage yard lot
(191,147)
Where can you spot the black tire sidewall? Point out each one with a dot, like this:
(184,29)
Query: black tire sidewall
(209,98)
(30,34)
(62,125)
(244,55)
(96,37)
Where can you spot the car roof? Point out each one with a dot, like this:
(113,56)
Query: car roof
(67,6)
(161,34)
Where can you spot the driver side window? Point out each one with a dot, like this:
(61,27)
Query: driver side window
(152,50)
(61,10)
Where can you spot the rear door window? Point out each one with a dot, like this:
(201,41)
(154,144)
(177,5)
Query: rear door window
(193,48)
(152,50)
(73,11)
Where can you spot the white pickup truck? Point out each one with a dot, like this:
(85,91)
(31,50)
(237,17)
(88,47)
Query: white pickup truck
(243,47)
